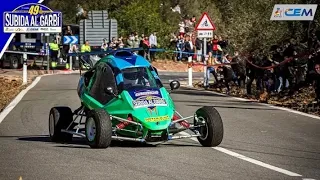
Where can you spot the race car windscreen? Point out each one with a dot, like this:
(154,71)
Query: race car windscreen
(138,78)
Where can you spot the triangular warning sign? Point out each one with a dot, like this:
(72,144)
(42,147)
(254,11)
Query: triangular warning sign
(205,23)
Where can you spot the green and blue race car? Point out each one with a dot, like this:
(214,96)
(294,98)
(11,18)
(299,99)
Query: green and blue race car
(123,98)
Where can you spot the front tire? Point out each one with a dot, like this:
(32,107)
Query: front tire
(60,118)
(98,129)
(212,131)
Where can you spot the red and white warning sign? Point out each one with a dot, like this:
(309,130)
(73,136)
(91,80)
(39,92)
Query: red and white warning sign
(205,23)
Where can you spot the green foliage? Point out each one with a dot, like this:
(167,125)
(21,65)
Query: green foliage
(246,24)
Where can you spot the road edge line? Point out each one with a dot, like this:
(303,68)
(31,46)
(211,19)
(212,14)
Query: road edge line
(19,97)
(268,105)
(251,160)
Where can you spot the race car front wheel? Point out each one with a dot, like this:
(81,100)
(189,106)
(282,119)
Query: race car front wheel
(211,126)
(98,129)
(60,118)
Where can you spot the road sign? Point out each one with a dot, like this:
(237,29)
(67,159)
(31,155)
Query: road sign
(205,34)
(205,23)
(70,39)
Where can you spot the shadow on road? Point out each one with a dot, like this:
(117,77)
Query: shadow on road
(184,91)
(81,143)
(234,107)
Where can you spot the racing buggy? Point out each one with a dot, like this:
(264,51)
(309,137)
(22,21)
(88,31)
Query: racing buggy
(122,98)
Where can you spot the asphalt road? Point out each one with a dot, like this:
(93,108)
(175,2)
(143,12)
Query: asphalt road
(273,144)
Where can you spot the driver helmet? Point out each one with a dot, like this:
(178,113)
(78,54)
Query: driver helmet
(131,73)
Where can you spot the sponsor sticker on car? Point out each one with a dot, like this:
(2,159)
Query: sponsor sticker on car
(157,119)
(146,101)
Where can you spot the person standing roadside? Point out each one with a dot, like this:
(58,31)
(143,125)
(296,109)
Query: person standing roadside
(153,44)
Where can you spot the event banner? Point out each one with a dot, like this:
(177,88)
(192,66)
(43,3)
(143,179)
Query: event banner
(27,16)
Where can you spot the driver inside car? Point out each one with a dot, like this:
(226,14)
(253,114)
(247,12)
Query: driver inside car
(135,76)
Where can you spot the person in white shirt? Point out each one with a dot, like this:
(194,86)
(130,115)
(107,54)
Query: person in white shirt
(104,45)
(153,44)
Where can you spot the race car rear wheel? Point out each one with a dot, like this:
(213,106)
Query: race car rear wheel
(60,118)
(212,129)
(98,129)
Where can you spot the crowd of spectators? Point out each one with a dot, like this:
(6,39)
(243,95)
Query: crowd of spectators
(283,69)
(278,78)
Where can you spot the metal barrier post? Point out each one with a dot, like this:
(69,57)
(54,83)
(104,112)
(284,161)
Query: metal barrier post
(48,52)
(70,58)
(205,67)
(190,71)
(24,71)
(70,62)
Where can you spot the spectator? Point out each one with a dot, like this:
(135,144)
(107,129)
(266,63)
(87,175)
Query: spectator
(145,45)
(136,40)
(315,76)
(198,45)
(120,43)
(113,44)
(68,31)
(193,21)
(153,44)
(104,45)
(74,49)
(182,28)
(81,13)
(188,47)
(180,47)
(84,49)
(211,70)
(215,48)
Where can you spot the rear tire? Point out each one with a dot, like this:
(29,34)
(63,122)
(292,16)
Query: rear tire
(98,129)
(212,132)
(60,118)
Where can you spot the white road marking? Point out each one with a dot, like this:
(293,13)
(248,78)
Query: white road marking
(251,160)
(18,98)
(269,105)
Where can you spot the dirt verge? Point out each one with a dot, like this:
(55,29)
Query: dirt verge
(301,100)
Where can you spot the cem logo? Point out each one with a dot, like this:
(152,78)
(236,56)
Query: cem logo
(294,12)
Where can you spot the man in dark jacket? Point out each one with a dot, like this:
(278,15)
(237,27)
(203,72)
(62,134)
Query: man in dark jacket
(198,47)
(315,76)
(188,46)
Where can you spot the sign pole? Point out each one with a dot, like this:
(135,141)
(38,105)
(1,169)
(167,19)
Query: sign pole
(205,62)
(24,73)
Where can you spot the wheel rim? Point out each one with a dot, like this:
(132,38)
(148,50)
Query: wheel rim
(91,129)
(51,125)
(204,129)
